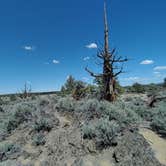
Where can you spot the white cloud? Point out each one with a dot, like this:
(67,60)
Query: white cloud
(160,68)
(86,58)
(55,61)
(28,48)
(135,79)
(85,79)
(147,62)
(132,79)
(91,46)
(156,72)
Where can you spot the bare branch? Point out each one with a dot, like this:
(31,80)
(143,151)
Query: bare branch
(92,74)
(119,59)
(112,52)
(119,72)
(100,54)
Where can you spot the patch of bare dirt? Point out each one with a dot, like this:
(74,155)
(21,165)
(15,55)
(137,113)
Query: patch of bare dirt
(157,143)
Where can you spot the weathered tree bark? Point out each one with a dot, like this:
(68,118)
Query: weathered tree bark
(109,65)
(154,99)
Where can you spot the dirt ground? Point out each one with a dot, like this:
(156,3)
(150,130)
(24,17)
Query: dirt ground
(65,146)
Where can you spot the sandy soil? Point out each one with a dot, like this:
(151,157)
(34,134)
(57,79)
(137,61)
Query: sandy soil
(157,143)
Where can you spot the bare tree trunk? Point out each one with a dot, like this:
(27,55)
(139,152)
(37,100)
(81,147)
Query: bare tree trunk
(108,79)
(109,59)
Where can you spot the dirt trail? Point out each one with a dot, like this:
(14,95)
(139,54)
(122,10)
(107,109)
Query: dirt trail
(103,159)
(157,143)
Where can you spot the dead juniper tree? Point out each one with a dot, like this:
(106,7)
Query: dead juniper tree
(110,64)
(26,92)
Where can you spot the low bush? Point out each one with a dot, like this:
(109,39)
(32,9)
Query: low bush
(1,101)
(13,98)
(137,88)
(1,109)
(104,132)
(164,84)
(11,163)
(159,119)
(38,139)
(89,105)
(43,101)
(66,104)
(43,124)
(20,114)
(3,131)
(138,106)
(33,97)
(120,112)
(9,150)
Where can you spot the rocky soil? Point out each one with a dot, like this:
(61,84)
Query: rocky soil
(65,146)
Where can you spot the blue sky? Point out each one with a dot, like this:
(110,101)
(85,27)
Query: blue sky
(44,41)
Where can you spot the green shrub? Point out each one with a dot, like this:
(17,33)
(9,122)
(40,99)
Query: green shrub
(159,124)
(89,131)
(79,91)
(106,131)
(164,84)
(54,98)
(103,131)
(23,113)
(20,115)
(43,101)
(69,85)
(89,105)
(9,163)
(137,88)
(39,139)
(1,109)
(33,97)
(43,124)
(159,118)
(120,112)
(138,106)
(9,150)
(66,104)
(143,112)
(13,98)
(1,101)
(3,131)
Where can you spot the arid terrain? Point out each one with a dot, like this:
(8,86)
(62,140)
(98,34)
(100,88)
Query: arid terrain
(51,130)
(83,83)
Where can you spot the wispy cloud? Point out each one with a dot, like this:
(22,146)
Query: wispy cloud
(135,79)
(85,79)
(55,61)
(91,46)
(86,58)
(28,48)
(156,72)
(132,79)
(160,68)
(147,62)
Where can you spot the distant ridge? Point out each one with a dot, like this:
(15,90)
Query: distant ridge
(32,93)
